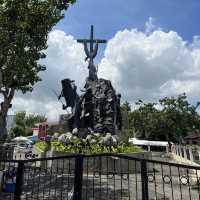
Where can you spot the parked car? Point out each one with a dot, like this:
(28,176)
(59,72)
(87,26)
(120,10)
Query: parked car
(23,147)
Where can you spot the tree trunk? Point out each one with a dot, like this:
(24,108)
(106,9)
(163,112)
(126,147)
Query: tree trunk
(5,105)
(3,127)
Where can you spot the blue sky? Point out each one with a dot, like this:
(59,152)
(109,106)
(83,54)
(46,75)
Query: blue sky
(109,16)
(140,64)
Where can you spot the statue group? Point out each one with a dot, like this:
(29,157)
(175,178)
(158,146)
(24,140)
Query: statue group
(98,108)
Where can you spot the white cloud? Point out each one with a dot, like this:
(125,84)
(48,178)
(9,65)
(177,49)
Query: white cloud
(148,66)
(150,25)
(51,109)
(65,59)
(141,65)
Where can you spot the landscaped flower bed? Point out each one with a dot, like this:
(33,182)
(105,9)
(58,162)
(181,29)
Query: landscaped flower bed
(86,146)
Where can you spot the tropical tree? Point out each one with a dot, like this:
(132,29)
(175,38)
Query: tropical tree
(25,122)
(173,121)
(24,28)
(144,119)
(126,106)
(179,117)
(126,132)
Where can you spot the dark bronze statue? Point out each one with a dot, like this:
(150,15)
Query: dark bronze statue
(91,54)
(98,108)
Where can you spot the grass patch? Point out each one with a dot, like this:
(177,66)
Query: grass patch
(43,145)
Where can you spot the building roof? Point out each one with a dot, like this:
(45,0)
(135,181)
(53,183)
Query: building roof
(148,142)
(193,135)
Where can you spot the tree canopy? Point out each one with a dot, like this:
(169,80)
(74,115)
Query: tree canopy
(25,122)
(24,28)
(171,119)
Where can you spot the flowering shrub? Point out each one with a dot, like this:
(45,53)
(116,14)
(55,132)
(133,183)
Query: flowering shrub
(83,146)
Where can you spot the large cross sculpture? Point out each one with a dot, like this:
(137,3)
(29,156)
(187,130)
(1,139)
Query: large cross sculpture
(92,52)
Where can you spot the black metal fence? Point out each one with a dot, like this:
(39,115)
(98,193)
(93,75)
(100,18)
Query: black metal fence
(95,177)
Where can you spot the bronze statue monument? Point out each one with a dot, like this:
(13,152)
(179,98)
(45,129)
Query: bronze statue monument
(92,53)
(98,108)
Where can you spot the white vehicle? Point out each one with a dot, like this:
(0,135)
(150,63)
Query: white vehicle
(23,151)
(23,148)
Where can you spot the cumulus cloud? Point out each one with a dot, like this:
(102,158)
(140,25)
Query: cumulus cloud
(51,109)
(149,66)
(141,65)
(65,59)
(150,25)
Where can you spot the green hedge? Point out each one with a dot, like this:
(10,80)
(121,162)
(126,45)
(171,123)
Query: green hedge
(80,146)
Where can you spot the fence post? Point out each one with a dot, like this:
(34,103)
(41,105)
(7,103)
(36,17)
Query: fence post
(19,180)
(144,179)
(78,178)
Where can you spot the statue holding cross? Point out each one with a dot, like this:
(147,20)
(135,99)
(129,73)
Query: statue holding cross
(91,53)
(97,109)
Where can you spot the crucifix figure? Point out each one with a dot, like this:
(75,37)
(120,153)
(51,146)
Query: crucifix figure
(91,53)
